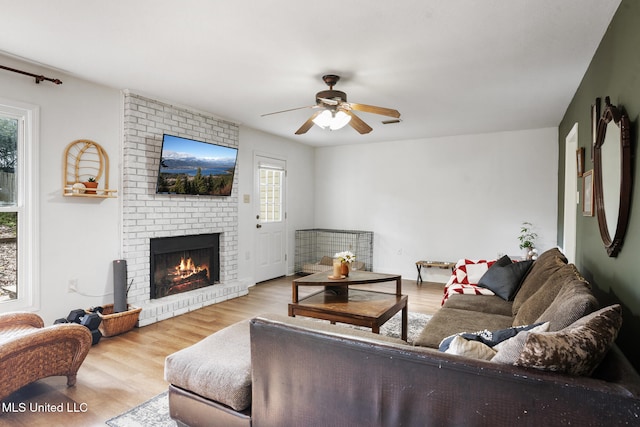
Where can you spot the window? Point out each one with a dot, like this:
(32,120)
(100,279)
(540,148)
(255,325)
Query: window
(271,194)
(18,227)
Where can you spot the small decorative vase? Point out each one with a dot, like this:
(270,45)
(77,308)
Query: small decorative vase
(528,253)
(344,269)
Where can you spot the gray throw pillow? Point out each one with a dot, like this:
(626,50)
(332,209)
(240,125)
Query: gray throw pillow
(504,277)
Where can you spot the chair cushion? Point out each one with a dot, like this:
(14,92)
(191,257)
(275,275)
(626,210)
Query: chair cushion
(218,367)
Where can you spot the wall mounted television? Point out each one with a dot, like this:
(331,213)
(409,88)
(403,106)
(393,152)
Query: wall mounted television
(193,167)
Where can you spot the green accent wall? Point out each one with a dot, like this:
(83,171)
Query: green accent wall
(615,72)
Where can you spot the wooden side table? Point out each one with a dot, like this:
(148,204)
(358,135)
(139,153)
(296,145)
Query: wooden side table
(432,264)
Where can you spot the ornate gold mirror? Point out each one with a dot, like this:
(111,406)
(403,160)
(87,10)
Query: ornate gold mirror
(612,176)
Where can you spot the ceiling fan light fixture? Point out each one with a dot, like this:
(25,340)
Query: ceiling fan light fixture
(332,119)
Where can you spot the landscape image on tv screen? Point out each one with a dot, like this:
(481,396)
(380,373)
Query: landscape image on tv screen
(195,167)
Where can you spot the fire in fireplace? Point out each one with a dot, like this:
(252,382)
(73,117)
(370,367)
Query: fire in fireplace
(184,263)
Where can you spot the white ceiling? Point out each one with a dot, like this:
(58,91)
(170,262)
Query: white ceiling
(450,67)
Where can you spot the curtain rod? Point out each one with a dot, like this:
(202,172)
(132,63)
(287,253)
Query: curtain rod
(38,78)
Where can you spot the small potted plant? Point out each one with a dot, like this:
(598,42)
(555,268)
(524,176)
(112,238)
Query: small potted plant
(91,183)
(345,258)
(527,239)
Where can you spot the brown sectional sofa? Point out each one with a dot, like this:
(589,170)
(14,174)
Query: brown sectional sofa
(293,372)
(541,286)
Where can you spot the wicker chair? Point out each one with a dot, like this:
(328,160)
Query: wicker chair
(29,351)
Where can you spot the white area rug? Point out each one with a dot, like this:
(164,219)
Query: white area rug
(152,413)
(415,325)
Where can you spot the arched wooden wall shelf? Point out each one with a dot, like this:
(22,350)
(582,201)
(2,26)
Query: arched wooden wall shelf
(84,160)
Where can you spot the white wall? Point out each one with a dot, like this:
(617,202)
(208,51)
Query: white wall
(78,237)
(441,198)
(300,197)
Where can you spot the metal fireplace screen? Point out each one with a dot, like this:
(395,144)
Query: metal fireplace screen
(316,247)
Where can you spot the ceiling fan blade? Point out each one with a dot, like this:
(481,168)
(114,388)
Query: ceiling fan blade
(308,124)
(357,123)
(375,110)
(290,109)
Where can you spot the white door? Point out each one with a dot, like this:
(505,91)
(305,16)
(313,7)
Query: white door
(269,194)
(570,194)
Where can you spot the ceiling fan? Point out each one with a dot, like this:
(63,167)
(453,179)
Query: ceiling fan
(334,112)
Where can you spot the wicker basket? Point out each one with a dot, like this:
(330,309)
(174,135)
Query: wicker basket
(117,323)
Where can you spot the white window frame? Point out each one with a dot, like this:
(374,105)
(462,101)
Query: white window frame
(27,205)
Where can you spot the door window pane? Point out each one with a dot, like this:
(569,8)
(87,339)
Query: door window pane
(270,195)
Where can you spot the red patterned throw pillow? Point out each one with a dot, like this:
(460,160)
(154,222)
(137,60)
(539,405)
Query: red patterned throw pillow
(465,278)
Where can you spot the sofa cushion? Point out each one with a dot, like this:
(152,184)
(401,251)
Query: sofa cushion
(465,277)
(508,351)
(504,277)
(469,271)
(540,278)
(218,367)
(490,338)
(574,301)
(576,349)
(537,303)
(484,303)
(469,348)
(450,321)
(540,271)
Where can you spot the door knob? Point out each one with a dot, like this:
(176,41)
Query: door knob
(258,225)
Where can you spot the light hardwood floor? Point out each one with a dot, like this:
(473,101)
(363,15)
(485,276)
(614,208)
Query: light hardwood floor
(123,371)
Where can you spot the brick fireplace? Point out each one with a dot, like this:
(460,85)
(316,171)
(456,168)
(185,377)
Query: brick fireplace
(147,216)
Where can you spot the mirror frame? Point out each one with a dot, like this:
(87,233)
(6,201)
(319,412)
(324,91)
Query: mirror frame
(613,244)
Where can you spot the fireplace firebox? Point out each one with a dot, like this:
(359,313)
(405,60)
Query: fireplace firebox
(184,263)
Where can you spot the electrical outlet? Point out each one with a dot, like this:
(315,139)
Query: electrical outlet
(73,285)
